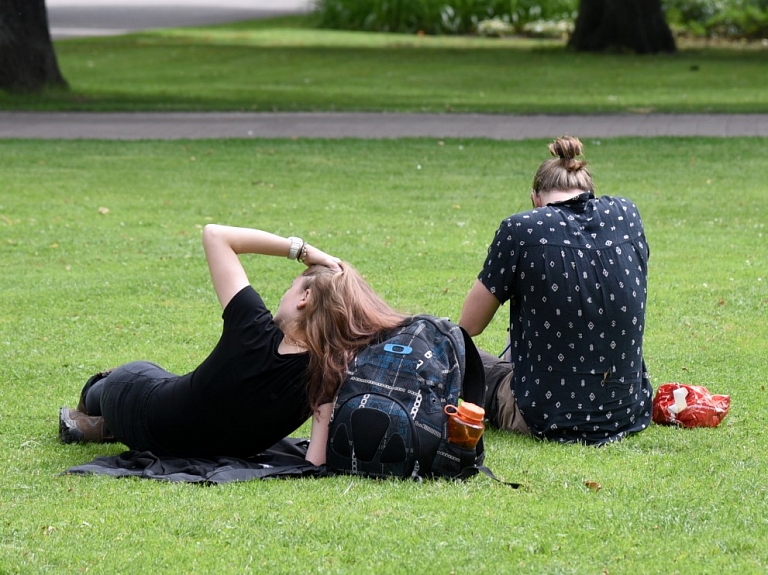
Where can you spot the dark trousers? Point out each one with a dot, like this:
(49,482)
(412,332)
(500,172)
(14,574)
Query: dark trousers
(122,399)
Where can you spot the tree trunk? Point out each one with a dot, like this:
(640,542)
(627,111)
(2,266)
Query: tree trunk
(27,60)
(636,25)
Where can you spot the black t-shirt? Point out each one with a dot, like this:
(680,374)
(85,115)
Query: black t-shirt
(575,274)
(243,398)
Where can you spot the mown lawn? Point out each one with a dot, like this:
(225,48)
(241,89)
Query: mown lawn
(285,64)
(103,264)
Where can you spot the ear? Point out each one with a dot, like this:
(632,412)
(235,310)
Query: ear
(304,299)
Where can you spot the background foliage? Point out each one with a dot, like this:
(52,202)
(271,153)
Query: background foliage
(700,18)
(440,16)
(719,18)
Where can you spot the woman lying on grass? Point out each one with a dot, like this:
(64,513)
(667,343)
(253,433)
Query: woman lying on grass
(265,377)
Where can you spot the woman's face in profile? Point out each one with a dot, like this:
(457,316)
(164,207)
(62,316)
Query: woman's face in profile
(292,302)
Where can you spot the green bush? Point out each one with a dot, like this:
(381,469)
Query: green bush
(719,18)
(439,16)
(698,18)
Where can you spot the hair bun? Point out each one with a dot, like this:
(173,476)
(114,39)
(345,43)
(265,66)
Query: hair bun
(566,147)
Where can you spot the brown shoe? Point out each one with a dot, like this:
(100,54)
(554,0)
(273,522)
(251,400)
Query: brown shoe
(77,427)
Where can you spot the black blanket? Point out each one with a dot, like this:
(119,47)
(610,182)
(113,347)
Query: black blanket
(284,459)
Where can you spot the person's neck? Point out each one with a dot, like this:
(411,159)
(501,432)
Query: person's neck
(292,343)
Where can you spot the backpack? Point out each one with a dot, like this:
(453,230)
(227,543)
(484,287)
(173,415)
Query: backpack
(388,417)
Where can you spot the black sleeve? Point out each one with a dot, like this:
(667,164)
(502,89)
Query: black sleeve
(246,308)
(498,273)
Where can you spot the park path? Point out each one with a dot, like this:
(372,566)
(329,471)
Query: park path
(183,125)
(80,18)
(70,18)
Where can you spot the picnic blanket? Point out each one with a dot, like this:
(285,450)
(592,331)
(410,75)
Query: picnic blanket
(283,460)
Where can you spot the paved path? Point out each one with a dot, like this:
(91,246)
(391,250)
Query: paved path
(136,126)
(77,18)
(70,18)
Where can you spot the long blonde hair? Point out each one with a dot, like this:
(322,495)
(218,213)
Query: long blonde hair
(564,172)
(343,315)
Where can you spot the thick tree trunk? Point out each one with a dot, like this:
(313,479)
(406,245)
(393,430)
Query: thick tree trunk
(636,25)
(27,60)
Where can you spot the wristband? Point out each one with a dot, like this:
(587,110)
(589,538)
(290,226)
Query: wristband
(296,244)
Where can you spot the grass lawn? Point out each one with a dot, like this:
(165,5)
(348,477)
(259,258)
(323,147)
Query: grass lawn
(100,243)
(284,65)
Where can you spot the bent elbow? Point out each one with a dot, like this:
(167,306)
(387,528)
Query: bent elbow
(210,232)
(472,328)
(474,331)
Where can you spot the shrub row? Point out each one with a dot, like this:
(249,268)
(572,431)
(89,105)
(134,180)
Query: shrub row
(442,16)
(698,18)
(719,18)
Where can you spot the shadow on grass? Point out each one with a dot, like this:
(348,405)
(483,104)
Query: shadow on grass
(285,65)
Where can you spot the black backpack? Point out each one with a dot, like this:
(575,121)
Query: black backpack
(388,417)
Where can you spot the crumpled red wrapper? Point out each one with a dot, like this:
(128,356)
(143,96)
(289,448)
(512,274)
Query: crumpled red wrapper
(694,406)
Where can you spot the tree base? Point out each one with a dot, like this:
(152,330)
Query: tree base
(27,59)
(635,25)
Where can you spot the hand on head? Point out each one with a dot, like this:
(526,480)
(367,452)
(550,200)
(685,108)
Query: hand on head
(316,256)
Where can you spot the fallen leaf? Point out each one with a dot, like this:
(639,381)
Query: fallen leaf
(593,485)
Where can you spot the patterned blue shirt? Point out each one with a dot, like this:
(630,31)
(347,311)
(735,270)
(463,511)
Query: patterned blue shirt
(575,275)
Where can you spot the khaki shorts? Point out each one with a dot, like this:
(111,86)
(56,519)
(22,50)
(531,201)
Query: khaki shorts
(500,405)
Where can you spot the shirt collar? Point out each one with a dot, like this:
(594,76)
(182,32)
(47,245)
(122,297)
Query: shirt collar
(578,203)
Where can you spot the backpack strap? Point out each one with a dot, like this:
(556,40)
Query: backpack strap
(474,373)
(468,472)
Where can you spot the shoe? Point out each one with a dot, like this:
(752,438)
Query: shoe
(77,427)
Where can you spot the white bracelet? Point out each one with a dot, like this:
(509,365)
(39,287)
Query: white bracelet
(295,247)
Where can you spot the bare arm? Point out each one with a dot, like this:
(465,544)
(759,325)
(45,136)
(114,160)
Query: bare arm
(223,244)
(319,435)
(480,305)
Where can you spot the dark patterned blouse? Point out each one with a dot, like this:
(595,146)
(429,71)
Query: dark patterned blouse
(575,275)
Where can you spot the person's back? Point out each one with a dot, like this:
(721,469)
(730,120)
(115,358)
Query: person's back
(574,272)
(577,316)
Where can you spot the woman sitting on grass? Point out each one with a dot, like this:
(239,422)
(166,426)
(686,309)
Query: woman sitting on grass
(265,377)
(574,270)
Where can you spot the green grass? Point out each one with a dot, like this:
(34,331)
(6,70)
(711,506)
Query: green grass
(100,243)
(286,65)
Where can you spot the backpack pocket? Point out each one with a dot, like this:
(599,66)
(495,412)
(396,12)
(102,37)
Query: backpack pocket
(372,435)
(452,460)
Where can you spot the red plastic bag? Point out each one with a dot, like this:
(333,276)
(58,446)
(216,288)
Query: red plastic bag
(689,406)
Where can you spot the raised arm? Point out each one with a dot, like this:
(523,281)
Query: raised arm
(480,305)
(223,244)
